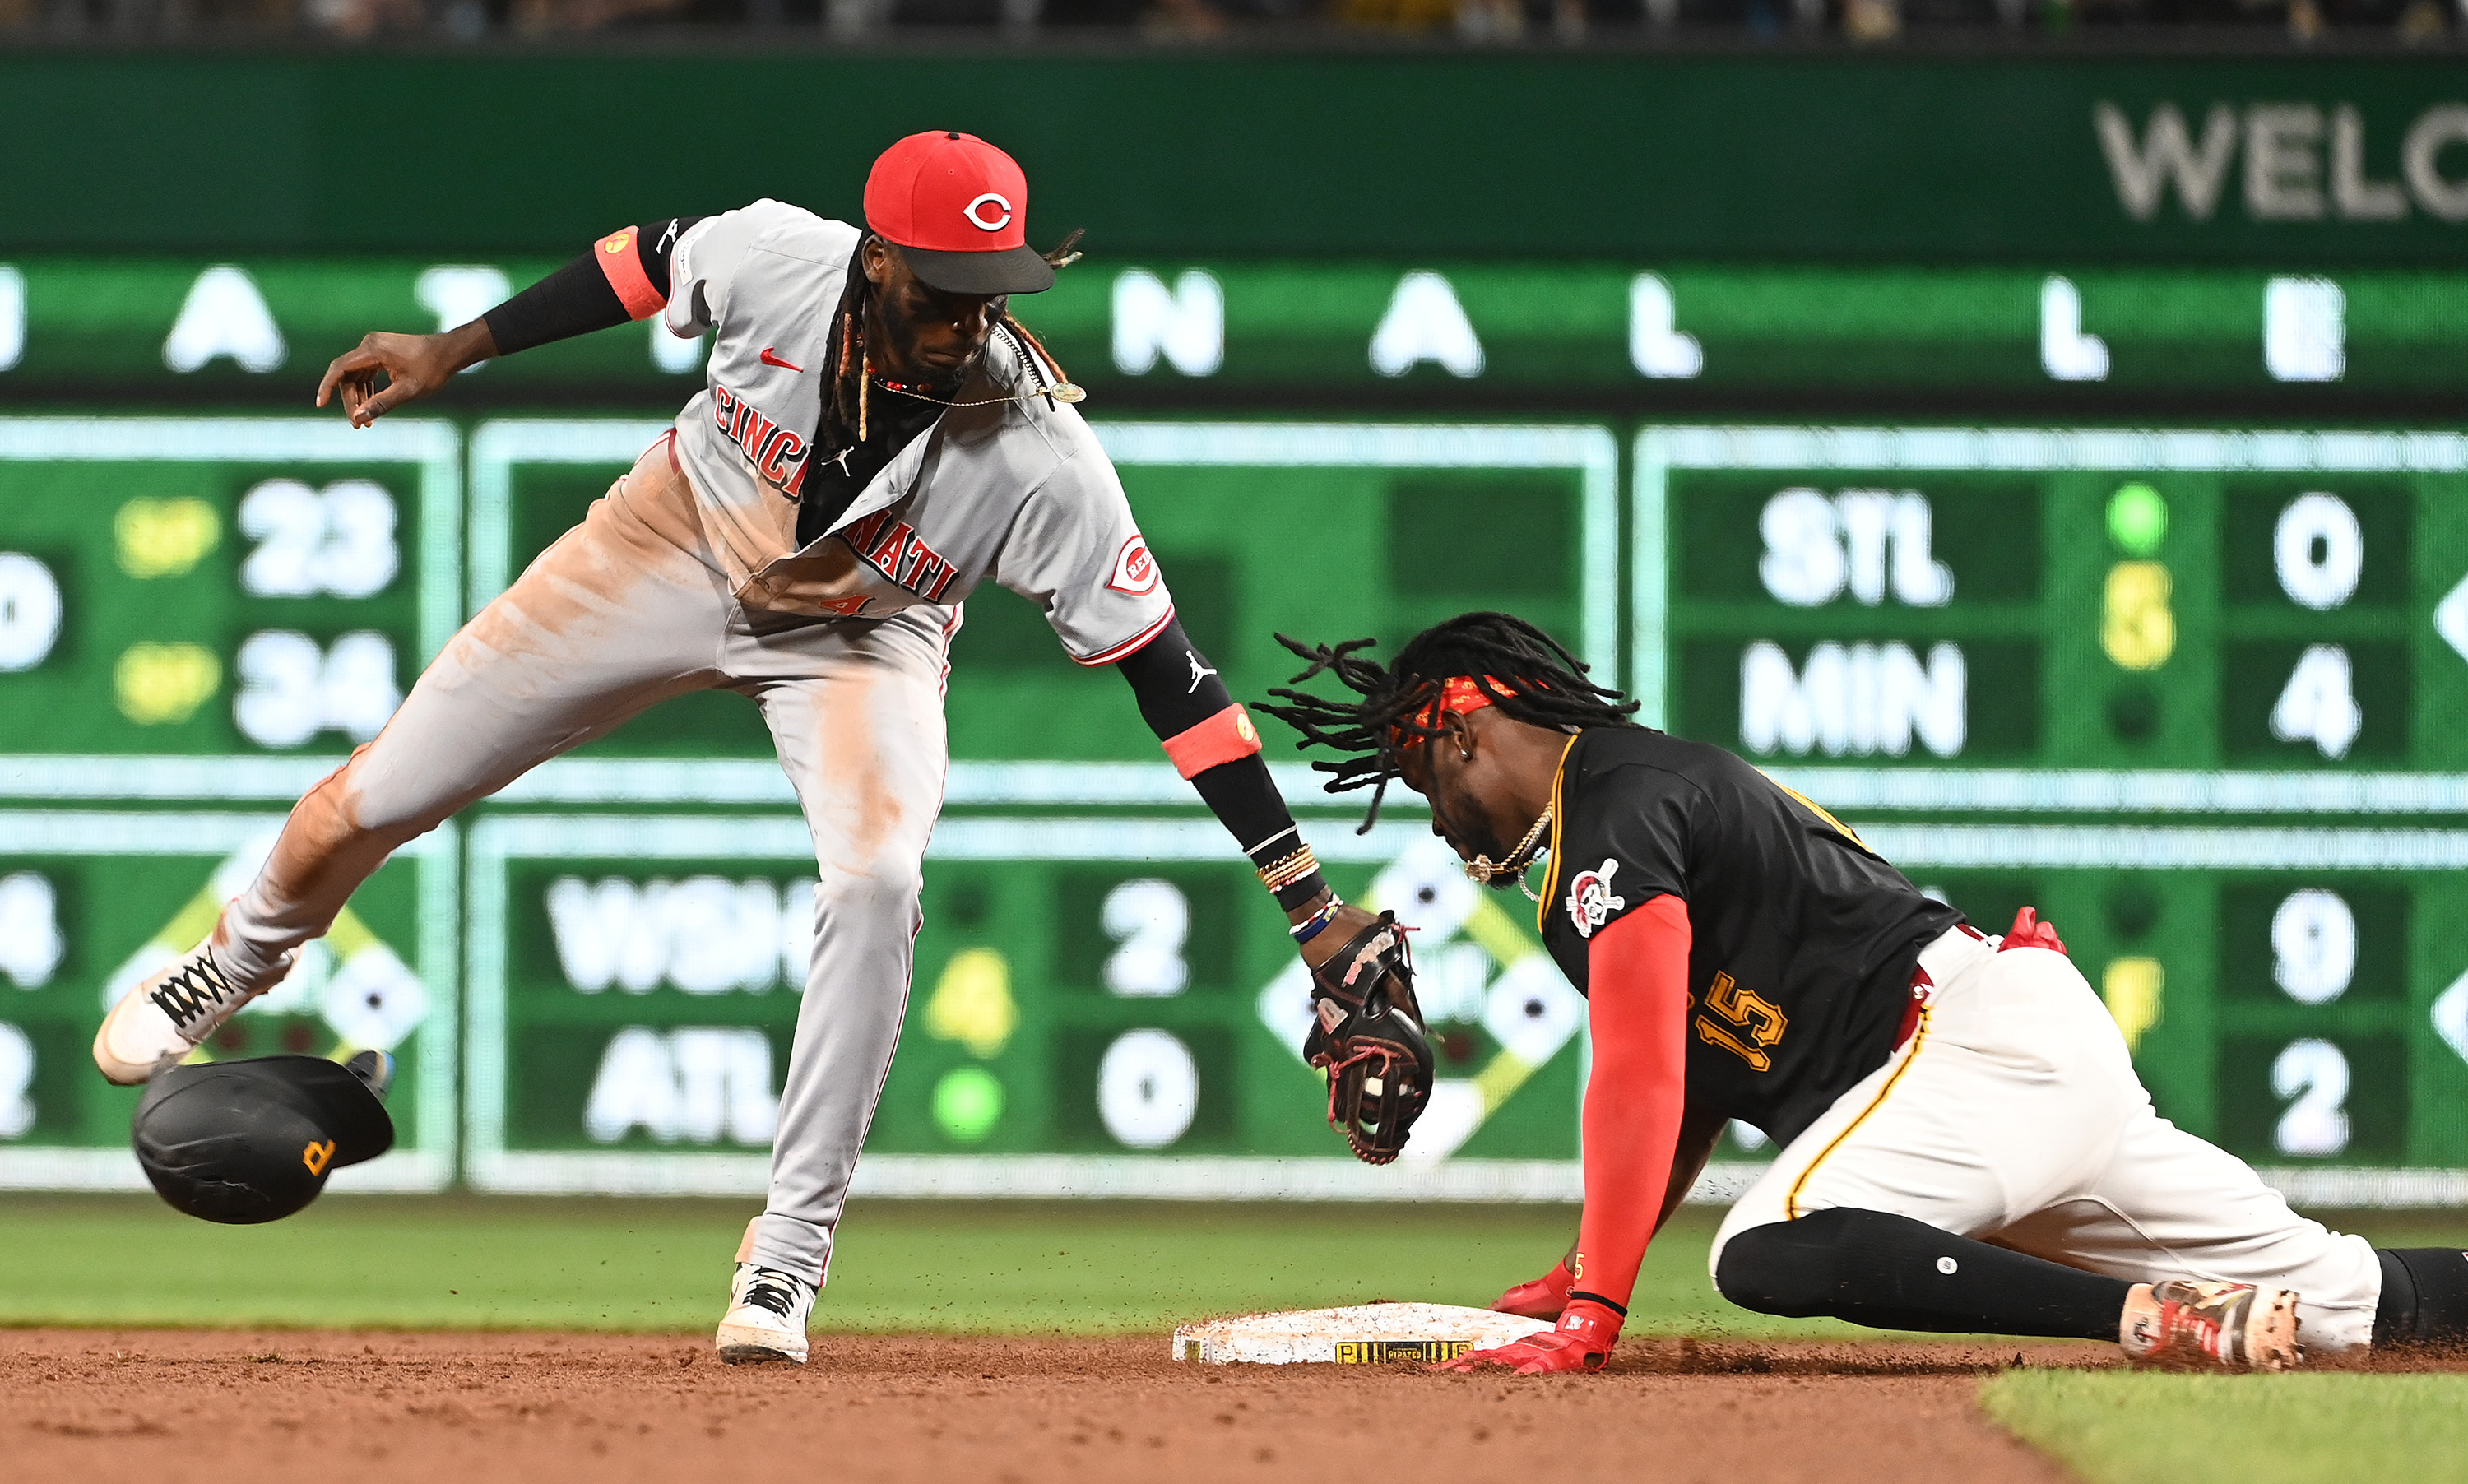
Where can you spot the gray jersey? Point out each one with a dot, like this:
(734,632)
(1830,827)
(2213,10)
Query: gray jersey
(1018,490)
(648,597)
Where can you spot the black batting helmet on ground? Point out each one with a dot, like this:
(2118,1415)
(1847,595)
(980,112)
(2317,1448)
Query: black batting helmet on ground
(253,1140)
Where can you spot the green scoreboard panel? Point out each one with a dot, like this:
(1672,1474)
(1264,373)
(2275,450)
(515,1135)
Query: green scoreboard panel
(1325,531)
(2044,639)
(210,609)
(2183,599)
(92,898)
(219,587)
(1104,999)
(2093,335)
(1101,1006)
(2199,696)
(1104,1002)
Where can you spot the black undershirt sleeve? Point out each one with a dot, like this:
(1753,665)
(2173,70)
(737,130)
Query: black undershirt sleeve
(1176,687)
(1178,690)
(577,298)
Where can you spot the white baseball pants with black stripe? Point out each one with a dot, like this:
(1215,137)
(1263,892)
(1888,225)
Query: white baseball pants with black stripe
(2014,1115)
(627,608)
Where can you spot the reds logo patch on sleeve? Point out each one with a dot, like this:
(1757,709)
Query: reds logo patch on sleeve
(1591,902)
(1135,571)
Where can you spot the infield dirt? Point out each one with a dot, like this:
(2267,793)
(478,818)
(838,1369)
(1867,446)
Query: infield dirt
(99,1407)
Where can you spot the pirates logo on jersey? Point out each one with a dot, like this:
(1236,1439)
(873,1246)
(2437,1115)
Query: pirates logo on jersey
(1591,902)
(1135,571)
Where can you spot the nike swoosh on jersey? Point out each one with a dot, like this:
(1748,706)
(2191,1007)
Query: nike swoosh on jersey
(770,359)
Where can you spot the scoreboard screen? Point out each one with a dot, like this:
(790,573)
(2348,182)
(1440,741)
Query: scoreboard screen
(2197,695)
(93,898)
(1099,976)
(2200,694)
(2087,334)
(598,972)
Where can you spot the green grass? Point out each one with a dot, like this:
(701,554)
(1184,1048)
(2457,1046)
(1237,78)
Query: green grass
(2128,1427)
(664,1265)
(982,1268)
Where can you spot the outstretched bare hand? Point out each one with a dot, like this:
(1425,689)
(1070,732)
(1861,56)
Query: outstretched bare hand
(413,366)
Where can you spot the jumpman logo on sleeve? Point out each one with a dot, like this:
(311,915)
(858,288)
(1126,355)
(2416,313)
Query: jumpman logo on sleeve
(1198,671)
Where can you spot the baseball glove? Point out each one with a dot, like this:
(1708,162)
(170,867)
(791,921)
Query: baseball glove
(1369,1040)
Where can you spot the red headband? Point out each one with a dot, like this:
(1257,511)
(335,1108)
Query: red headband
(1458,694)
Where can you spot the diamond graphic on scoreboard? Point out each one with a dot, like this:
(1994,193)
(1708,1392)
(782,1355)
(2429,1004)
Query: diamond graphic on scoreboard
(373,1001)
(2451,618)
(2451,1017)
(1531,1010)
(1478,966)
(351,978)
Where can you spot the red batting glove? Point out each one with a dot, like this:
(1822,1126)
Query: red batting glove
(1542,1298)
(2029,932)
(1588,1330)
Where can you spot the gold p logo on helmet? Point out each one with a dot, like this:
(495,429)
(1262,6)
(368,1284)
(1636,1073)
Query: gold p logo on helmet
(315,1155)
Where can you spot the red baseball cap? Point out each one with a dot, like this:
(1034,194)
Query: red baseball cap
(957,207)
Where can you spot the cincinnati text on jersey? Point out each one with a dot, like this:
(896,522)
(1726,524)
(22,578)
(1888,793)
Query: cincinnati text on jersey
(893,548)
(776,454)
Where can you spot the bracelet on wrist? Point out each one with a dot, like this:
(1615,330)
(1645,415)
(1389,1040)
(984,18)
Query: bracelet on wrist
(1313,926)
(1289,869)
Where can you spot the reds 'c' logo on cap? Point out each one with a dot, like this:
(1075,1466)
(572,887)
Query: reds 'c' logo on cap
(957,207)
(988,213)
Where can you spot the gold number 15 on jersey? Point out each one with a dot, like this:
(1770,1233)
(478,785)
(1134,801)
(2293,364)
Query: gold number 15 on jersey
(1757,1023)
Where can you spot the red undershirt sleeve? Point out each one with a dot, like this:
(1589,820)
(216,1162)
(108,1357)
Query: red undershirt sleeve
(1638,1006)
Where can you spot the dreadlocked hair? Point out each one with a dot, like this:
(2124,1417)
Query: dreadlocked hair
(844,396)
(1525,672)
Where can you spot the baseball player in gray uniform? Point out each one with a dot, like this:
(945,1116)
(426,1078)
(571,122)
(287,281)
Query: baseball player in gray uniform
(877,436)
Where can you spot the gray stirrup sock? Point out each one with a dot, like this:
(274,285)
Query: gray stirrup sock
(2425,1297)
(1896,1274)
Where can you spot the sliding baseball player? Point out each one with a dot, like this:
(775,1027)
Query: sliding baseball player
(1965,1145)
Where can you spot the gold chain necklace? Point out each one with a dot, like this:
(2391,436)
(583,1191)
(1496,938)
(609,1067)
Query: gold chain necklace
(1061,391)
(1483,869)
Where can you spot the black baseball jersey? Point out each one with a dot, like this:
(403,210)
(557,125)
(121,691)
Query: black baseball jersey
(1803,939)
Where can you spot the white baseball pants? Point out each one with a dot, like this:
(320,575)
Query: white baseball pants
(2013,1116)
(627,608)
